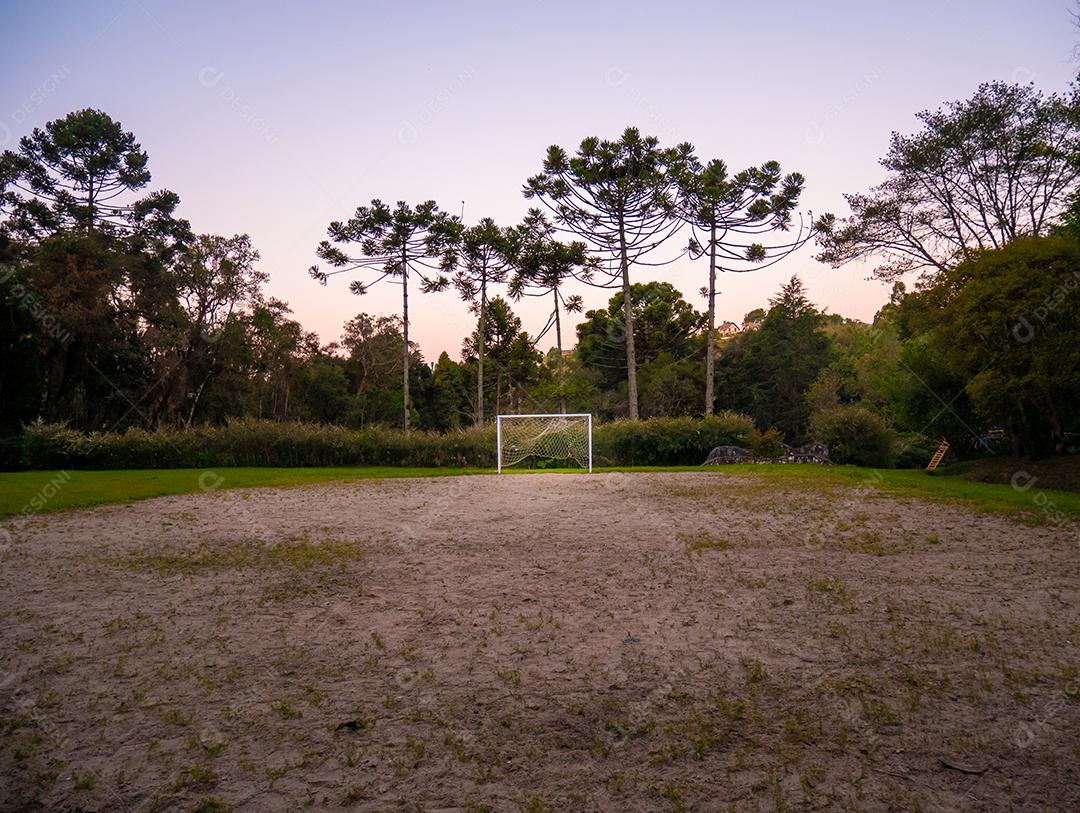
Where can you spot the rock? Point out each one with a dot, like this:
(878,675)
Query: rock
(728,454)
(811,453)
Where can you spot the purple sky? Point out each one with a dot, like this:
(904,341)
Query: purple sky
(275,122)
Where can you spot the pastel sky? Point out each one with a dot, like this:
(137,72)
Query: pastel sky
(274,119)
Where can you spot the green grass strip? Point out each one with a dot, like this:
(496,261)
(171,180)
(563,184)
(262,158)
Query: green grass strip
(35,492)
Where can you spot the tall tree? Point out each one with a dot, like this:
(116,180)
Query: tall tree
(542,265)
(395,243)
(620,197)
(663,321)
(98,252)
(727,215)
(768,371)
(449,396)
(511,352)
(484,261)
(981,172)
(23,329)
(214,278)
(80,173)
(280,346)
(1003,324)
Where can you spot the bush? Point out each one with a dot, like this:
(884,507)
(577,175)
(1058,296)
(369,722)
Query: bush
(13,452)
(253,443)
(914,450)
(653,442)
(855,435)
(669,441)
(769,443)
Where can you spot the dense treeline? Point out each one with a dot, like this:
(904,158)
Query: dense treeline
(115,316)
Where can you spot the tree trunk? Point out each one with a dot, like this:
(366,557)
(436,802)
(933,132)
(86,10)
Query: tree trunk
(195,401)
(558,348)
(90,203)
(480,354)
(405,337)
(1057,434)
(628,326)
(710,335)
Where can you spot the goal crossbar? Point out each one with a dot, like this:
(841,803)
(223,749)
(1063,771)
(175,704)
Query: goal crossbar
(547,435)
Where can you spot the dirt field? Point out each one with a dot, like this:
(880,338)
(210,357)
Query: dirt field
(637,642)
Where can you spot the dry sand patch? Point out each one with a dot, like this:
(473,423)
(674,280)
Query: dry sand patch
(610,642)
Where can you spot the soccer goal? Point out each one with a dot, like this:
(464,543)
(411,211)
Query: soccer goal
(545,437)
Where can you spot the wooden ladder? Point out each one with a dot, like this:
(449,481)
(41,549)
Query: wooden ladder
(939,455)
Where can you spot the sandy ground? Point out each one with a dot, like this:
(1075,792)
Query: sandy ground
(640,642)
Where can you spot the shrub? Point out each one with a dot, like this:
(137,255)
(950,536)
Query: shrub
(652,442)
(669,441)
(253,443)
(914,450)
(855,435)
(769,443)
(13,452)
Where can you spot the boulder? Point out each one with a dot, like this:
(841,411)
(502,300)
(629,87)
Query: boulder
(728,454)
(811,453)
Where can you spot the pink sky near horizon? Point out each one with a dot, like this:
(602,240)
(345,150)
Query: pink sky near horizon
(275,121)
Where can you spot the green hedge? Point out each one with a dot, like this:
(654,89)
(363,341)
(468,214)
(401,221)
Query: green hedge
(855,435)
(657,441)
(670,441)
(249,443)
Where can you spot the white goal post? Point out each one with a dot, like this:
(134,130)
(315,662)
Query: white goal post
(554,436)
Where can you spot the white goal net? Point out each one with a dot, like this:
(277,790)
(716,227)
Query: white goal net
(544,437)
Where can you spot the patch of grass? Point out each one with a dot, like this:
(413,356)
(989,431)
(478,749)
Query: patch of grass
(210,804)
(798,728)
(85,781)
(701,541)
(830,587)
(755,672)
(198,777)
(534,804)
(293,554)
(916,483)
(286,710)
(82,489)
(879,713)
(511,677)
(174,716)
(304,554)
(675,798)
(866,541)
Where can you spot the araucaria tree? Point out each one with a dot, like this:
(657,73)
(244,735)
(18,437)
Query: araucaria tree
(394,243)
(542,265)
(619,196)
(97,246)
(79,174)
(728,216)
(484,261)
(981,173)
